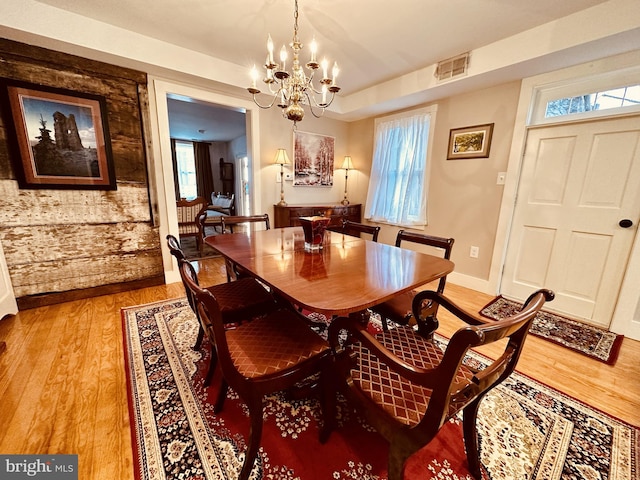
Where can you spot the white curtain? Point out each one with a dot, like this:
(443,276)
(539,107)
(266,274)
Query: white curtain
(397,191)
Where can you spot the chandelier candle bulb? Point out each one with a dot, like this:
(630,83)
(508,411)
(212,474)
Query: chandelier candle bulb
(270,50)
(313,46)
(254,77)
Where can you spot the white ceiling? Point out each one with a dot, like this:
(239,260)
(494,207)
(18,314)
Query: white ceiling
(385,49)
(372,40)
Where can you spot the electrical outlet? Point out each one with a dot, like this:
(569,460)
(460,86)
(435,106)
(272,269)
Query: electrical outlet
(288,176)
(474,252)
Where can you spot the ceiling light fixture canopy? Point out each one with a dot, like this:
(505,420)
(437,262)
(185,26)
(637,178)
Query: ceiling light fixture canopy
(293,90)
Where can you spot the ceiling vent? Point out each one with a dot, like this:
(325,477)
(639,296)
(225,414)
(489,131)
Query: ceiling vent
(452,67)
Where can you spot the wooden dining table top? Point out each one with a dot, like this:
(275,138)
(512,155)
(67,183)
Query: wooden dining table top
(347,275)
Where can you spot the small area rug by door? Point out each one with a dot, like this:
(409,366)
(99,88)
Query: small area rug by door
(527,430)
(591,341)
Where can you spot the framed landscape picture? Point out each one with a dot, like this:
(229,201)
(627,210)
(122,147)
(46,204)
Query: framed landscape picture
(313,159)
(60,138)
(470,142)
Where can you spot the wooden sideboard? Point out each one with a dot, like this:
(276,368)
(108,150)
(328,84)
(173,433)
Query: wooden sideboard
(287,216)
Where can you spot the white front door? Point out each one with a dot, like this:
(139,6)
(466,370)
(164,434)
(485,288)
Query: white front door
(8,304)
(578,184)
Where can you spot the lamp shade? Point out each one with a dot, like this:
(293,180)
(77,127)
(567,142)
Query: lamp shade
(347,164)
(281,157)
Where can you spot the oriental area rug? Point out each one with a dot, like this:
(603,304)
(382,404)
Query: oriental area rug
(527,430)
(594,342)
(192,252)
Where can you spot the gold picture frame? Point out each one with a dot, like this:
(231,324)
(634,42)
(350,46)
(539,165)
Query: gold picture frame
(470,142)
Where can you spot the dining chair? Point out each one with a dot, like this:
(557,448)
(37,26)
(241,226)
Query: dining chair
(208,218)
(188,211)
(355,229)
(408,387)
(240,300)
(271,353)
(399,309)
(234,271)
(230,221)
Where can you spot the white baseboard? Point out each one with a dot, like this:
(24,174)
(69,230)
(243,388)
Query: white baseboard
(473,283)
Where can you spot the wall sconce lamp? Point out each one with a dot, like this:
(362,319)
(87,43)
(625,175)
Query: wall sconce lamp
(281,159)
(346,165)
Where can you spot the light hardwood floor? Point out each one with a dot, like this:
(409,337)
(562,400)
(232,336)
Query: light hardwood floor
(63,384)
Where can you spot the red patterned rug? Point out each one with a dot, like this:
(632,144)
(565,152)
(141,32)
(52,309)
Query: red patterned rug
(594,342)
(527,430)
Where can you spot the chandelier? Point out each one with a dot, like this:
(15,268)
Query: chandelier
(293,90)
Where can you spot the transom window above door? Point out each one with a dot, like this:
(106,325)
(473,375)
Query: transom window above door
(628,96)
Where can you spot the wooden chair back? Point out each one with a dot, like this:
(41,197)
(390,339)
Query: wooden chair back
(442,243)
(355,229)
(423,375)
(398,309)
(228,222)
(188,211)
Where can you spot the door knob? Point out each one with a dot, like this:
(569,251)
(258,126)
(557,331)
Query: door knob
(626,223)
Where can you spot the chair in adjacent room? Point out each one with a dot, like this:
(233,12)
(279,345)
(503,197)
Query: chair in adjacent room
(399,309)
(408,388)
(223,203)
(188,211)
(240,300)
(355,229)
(268,354)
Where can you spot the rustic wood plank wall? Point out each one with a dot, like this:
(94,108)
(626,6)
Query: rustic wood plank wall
(63,241)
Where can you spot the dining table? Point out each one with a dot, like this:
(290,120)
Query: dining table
(346,276)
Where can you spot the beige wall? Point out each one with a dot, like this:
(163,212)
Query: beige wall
(464,200)
(276,132)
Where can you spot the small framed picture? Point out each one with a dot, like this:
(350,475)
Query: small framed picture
(470,142)
(60,138)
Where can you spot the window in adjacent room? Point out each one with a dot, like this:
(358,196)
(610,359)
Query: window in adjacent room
(399,173)
(186,163)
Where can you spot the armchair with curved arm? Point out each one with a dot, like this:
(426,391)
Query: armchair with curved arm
(408,387)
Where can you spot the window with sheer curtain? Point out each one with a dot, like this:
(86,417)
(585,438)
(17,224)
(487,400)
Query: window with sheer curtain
(398,184)
(186,169)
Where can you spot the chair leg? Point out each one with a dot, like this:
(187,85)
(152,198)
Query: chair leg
(199,339)
(222,395)
(469,418)
(398,455)
(328,404)
(255,435)
(212,367)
